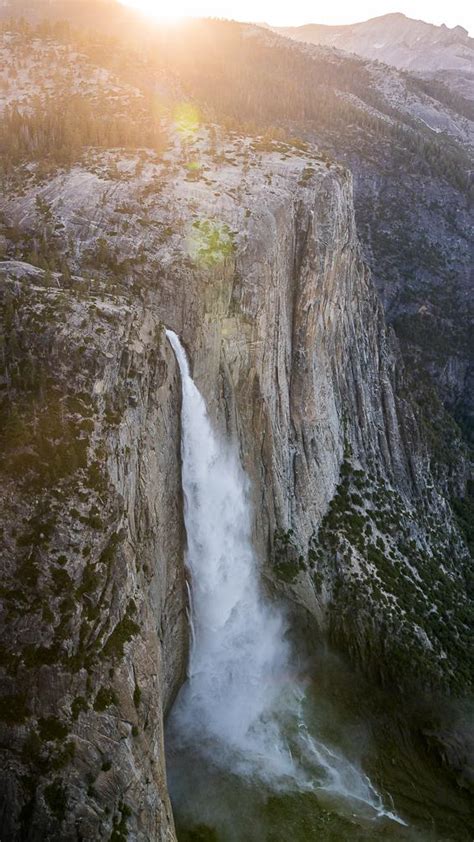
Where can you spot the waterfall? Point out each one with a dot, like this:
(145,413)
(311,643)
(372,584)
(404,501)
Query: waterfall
(240,705)
(239,656)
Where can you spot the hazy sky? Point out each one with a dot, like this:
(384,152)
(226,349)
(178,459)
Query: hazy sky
(296,12)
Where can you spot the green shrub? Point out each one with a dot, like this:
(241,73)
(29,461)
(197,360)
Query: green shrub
(13,709)
(52,728)
(55,797)
(122,633)
(78,704)
(105,697)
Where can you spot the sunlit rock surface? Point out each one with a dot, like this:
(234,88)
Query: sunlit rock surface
(247,248)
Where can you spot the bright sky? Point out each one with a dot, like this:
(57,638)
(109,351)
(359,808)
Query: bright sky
(297,12)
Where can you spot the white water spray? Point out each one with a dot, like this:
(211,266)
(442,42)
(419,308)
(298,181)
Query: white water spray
(239,655)
(238,702)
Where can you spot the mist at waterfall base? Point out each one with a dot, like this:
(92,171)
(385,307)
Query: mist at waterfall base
(247,740)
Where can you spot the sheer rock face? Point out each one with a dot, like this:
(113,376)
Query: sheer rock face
(94,628)
(251,255)
(291,348)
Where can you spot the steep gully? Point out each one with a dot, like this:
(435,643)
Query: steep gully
(241,708)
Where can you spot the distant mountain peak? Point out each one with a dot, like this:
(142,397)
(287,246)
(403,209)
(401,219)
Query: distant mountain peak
(392,15)
(439,52)
(460,30)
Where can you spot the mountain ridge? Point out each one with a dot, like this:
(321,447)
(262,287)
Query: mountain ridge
(434,52)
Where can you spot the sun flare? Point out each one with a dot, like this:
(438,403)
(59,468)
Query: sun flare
(167,13)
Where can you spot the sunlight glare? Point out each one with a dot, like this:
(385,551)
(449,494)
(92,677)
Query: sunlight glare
(305,11)
(167,13)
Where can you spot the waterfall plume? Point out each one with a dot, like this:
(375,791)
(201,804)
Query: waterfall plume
(240,706)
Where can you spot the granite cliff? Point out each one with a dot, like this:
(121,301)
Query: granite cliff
(248,249)
(93,610)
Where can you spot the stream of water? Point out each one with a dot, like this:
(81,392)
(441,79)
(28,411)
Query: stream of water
(250,751)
